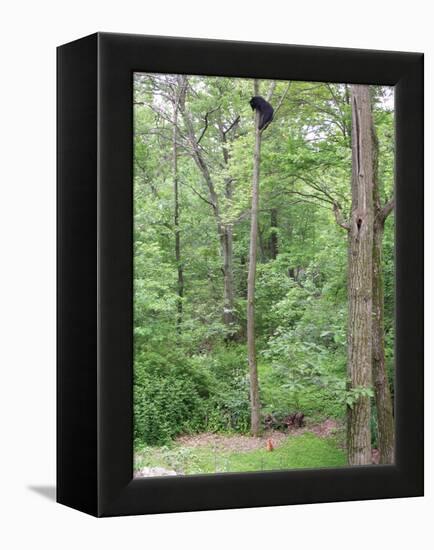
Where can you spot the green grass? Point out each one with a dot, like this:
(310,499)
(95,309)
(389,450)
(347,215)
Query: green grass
(303,451)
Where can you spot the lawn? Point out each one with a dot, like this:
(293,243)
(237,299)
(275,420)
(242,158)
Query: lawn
(302,451)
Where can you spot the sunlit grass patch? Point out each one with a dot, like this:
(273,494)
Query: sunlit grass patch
(304,451)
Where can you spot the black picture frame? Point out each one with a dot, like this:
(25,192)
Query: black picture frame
(95,274)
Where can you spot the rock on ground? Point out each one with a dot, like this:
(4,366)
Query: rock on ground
(154,471)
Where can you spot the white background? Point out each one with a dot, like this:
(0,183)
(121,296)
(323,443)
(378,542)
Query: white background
(30,31)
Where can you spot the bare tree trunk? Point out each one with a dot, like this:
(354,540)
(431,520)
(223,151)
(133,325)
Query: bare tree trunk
(255,422)
(383,399)
(360,277)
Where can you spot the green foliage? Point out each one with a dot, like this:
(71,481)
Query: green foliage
(168,399)
(228,408)
(173,395)
(354,394)
(189,375)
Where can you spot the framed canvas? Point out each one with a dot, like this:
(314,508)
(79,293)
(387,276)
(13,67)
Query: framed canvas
(103,84)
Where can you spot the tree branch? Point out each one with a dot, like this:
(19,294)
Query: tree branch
(339,217)
(224,132)
(206,124)
(199,195)
(270,93)
(285,93)
(313,196)
(387,209)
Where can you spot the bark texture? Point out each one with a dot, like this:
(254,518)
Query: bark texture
(360,277)
(383,399)
(255,420)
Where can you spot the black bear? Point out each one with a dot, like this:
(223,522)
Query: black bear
(265,110)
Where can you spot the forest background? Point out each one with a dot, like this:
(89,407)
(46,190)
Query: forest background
(196,166)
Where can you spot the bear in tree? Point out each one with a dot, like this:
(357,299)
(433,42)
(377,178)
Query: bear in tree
(265,110)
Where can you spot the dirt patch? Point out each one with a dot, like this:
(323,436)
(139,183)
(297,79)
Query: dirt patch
(235,443)
(242,443)
(324,429)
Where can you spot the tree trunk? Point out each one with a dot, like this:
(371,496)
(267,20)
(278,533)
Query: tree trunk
(229,317)
(255,423)
(179,93)
(383,399)
(360,277)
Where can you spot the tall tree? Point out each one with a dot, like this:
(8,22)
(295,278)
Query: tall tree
(229,315)
(178,99)
(255,405)
(224,229)
(383,399)
(360,278)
